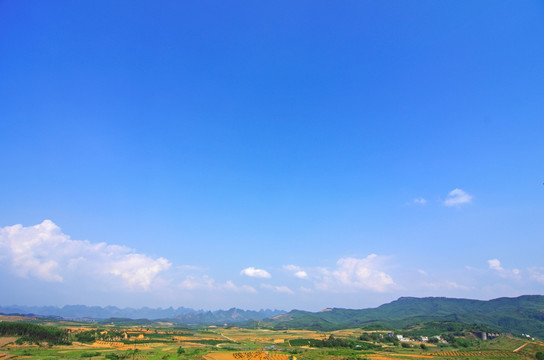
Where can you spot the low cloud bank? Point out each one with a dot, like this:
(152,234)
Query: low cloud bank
(44,252)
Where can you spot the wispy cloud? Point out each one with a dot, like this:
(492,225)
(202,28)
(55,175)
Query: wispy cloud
(207,283)
(444,285)
(190,267)
(44,252)
(291,267)
(229,285)
(457,197)
(196,283)
(258,273)
(537,273)
(296,271)
(420,201)
(279,289)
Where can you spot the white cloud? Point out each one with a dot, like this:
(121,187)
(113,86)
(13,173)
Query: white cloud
(355,274)
(229,285)
(457,197)
(495,264)
(279,289)
(445,285)
(136,269)
(190,267)
(420,201)
(253,272)
(297,271)
(362,273)
(537,273)
(453,285)
(44,252)
(207,283)
(194,283)
(291,267)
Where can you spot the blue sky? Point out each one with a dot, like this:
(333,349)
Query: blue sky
(270,154)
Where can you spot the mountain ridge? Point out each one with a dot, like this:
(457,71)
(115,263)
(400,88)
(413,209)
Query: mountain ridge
(524,314)
(180,314)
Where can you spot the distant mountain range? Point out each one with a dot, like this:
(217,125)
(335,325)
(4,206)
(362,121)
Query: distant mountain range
(524,314)
(180,315)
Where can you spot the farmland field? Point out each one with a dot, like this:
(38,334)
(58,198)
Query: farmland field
(87,341)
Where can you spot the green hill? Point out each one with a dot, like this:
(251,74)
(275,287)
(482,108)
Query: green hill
(524,314)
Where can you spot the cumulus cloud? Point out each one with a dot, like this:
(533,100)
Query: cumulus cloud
(457,197)
(258,273)
(279,289)
(136,269)
(356,274)
(44,252)
(297,271)
(495,264)
(362,273)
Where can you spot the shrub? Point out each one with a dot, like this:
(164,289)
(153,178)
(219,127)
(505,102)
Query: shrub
(90,354)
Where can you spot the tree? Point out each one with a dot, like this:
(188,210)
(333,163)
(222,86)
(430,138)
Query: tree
(134,352)
(181,350)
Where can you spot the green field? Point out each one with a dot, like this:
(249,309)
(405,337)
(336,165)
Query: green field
(71,340)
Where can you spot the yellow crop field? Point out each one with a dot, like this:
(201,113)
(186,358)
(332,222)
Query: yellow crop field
(397,356)
(6,340)
(265,335)
(222,343)
(248,355)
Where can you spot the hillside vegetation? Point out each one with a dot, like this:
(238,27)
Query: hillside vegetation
(524,314)
(34,333)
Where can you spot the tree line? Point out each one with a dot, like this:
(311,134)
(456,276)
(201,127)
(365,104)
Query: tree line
(33,333)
